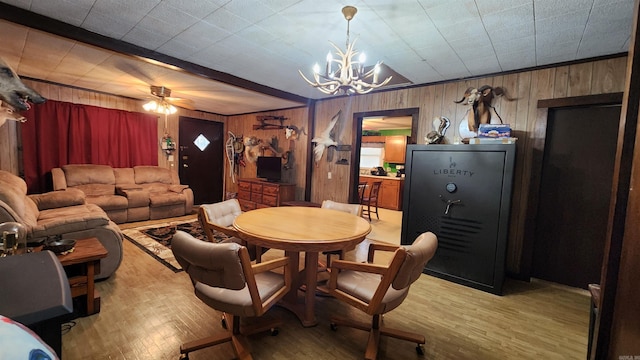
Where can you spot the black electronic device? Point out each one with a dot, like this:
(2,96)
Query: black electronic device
(269,168)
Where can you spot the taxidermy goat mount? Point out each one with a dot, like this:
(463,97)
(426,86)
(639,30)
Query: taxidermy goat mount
(480,100)
(14,95)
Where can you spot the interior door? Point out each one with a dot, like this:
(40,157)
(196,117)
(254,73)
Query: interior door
(575,193)
(201,158)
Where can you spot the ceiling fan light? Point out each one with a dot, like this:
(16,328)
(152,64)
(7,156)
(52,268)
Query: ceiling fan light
(170,109)
(150,106)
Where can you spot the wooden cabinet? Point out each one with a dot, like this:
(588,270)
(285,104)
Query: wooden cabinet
(395,149)
(390,196)
(256,193)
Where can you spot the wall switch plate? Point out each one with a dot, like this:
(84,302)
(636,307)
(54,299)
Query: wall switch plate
(329,175)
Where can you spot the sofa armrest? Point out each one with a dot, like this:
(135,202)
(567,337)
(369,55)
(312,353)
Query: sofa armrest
(58,199)
(177,188)
(59,179)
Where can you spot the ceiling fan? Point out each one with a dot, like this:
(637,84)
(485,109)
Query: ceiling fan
(165,104)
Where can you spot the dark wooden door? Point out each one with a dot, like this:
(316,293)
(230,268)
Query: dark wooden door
(575,192)
(201,156)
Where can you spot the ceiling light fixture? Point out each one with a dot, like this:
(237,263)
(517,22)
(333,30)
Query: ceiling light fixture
(349,77)
(160,107)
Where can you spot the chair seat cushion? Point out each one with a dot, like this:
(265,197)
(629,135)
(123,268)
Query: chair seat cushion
(69,219)
(363,286)
(238,302)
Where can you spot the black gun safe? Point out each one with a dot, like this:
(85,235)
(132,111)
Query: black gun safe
(461,193)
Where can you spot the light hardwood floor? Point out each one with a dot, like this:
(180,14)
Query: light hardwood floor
(148,311)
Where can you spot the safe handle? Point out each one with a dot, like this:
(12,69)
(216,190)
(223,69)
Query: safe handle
(449,203)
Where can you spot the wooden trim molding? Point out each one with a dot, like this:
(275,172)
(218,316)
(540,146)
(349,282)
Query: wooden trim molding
(599,99)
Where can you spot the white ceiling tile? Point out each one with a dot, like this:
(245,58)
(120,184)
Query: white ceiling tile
(197,9)
(251,11)
(72,12)
(486,7)
(225,19)
(553,8)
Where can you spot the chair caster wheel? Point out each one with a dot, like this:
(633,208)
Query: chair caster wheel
(420,350)
(274,332)
(224,323)
(333,326)
(184,356)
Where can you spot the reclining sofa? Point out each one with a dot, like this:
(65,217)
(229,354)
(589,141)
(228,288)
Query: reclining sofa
(128,194)
(60,213)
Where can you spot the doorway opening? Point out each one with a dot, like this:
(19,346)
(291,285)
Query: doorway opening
(358,120)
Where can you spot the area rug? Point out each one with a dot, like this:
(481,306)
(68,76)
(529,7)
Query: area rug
(155,240)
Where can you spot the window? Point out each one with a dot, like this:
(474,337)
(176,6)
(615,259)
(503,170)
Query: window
(371,156)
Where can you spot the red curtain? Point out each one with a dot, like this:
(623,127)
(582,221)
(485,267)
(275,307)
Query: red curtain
(59,133)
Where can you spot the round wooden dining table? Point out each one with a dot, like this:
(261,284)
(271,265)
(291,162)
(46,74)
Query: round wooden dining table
(295,230)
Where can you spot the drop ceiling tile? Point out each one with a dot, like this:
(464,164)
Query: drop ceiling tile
(442,14)
(252,12)
(108,25)
(509,18)
(72,12)
(514,45)
(553,8)
(517,60)
(12,42)
(142,37)
(225,19)
(487,7)
(558,24)
(166,19)
(197,9)
(482,65)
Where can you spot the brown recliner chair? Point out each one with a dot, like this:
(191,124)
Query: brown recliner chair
(378,289)
(219,217)
(224,278)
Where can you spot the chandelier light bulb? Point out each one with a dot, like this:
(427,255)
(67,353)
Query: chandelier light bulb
(316,68)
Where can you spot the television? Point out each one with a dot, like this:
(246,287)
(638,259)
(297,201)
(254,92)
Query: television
(269,168)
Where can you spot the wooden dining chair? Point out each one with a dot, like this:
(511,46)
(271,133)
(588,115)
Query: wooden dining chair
(361,188)
(218,217)
(355,209)
(224,278)
(377,289)
(371,200)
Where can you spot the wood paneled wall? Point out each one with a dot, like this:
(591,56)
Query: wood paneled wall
(9,132)
(590,78)
(242,126)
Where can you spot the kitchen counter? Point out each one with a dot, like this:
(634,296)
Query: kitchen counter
(386,177)
(390,196)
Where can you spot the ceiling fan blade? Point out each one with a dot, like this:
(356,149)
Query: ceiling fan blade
(183,103)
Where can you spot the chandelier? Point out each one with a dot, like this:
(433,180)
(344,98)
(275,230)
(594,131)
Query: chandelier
(160,107)
(349,76)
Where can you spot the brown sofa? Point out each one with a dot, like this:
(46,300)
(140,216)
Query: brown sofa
(59,213)
(128,194)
